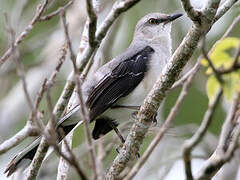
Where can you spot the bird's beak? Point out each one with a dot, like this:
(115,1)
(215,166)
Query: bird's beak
(172,17)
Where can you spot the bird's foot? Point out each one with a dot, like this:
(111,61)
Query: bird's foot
(155,122)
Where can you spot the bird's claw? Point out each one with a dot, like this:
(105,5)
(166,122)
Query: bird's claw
(155,120)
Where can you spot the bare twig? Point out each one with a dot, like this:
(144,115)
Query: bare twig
(224,8)
(67,37)
(82,58)
(226,146)
(118,8)
(157,94)
(164,127)
(71,160)
(83,108)
(231,27)
(52,139)
(40,9)
(29,128)
(235,64)
(198,65)
(199,134)
(55,13)
(37,160)
(85,116)
(16,139)
(100,156)
(43,147)
(63,165)
(190,73)
(205,55)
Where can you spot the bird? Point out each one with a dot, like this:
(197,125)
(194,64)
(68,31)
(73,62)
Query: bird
(118,88)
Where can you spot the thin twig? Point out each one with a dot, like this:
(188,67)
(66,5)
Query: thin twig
(158,93)
(85,116)
(191,143)
(52,139)
(84,53)
(40,10)
(43,146)
(231,27)
(83,108)
(29,128)
(226,146)
(55,13)
(224,8)
(235,65)
(190,73)
(205,55)
(16,139)
(198,65)
(164,127)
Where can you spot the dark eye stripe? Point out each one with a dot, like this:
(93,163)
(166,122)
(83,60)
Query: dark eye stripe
(154,21)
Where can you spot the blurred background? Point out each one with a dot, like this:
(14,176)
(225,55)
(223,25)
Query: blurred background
(40,52)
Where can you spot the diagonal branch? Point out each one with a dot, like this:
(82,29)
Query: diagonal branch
(205,55)
(158,93)
(84,54)
(92,22)
(227,144)
(40,10)
(224,8)
(191,143)
(165,126)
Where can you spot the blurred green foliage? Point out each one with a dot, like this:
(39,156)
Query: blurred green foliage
(223,57)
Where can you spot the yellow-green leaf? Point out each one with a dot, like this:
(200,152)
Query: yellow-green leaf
(212,87)
(219,56)
(227,43)
(231,85)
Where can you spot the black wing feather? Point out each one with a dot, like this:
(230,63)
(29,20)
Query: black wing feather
(119,83)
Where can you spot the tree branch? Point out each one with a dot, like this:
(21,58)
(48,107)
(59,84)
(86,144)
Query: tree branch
(191,12)
(191,143)
(226,146)
(55,13)
(157,94)
(164,127)
(40,10)
(224,8)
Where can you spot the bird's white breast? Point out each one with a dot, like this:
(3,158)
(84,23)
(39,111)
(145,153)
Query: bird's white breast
(158,61)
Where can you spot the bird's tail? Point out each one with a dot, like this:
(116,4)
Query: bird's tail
(24,158)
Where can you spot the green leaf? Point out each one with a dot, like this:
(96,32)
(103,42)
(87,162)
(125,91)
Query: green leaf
(227,43)
(219,56)
(231,85)
(212,87)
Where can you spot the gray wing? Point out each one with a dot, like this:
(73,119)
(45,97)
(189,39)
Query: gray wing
(123,79)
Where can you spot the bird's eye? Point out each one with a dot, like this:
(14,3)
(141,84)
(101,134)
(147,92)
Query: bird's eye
(153,21)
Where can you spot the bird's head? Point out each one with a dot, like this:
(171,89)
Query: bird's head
(155,26)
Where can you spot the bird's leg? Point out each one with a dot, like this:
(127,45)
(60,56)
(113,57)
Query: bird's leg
(155,119)
(117,132)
